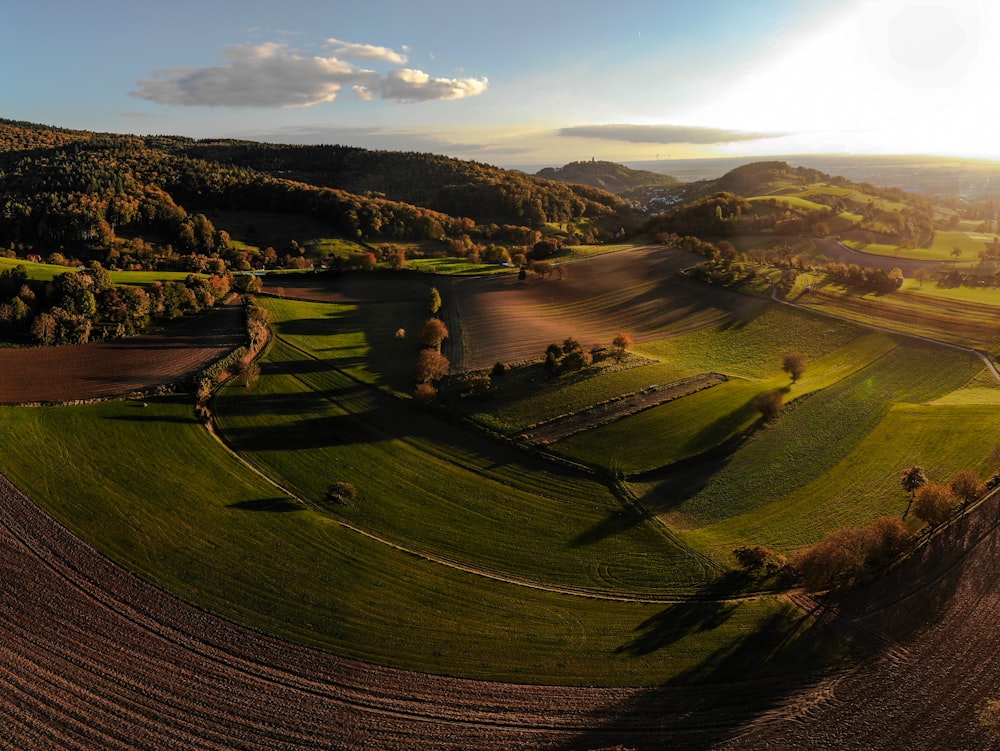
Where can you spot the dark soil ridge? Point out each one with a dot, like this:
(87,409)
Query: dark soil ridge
(612,410)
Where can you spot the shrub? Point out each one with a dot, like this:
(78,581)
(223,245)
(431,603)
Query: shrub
(769,404)
(425,394)
(341,492)
(757,558)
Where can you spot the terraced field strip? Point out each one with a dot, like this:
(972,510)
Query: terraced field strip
(607,412)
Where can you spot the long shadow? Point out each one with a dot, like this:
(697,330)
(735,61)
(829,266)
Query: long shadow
(675,485)
(714,703)
(270,505)
(705,705)
(281,404)
(334,430)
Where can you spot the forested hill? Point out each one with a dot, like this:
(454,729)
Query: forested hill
(451,186)
(762,178)
(82,194)
(610,176)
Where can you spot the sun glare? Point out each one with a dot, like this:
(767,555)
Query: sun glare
(888,77)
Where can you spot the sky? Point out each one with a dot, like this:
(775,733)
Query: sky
(519,83)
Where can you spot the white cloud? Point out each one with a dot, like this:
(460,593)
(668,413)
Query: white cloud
(366,52)
(409,85)
(263,75)
(275,76)
(661,134)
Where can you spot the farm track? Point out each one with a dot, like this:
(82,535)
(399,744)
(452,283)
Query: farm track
(92,657)
(605,413)
(850,306)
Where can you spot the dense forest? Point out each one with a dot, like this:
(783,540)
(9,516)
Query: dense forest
(113,198)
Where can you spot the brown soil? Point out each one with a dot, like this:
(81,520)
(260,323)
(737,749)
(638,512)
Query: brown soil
(92,657)
(350,288)
(639,291)
(108,369)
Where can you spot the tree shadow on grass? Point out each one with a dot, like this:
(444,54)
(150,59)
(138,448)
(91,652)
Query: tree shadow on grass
(319,432)
(730,687)
(675,485)
(271,505)
(715,436)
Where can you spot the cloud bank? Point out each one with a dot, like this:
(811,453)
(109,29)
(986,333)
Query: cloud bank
(662,134)
(275,76)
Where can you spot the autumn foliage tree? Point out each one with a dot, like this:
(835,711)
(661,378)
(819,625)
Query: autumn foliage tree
(619,344)
(431,366)
(769,404)
(934,503)
(433,333)
(845,555)
(966,486)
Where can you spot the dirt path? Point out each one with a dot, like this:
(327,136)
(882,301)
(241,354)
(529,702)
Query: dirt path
(968,350)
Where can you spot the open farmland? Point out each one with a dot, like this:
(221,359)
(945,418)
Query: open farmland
(107,369)
(638,291)
(461,556)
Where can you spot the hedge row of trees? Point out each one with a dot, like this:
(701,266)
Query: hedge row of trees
(849,555)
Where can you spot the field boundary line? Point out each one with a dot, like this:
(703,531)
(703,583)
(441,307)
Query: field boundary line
(885,329)
(451,563)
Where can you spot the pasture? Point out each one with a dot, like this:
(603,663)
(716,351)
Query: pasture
(219,535)
(969,246)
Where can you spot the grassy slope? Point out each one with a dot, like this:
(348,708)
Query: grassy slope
(699,423)
(801,476)
(219,536)
(453,495)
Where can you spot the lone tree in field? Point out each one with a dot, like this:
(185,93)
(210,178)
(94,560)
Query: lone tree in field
(913,479)
(769,404)
(794,364)
(619,344)
(966,486)
(433,301)
(433,333)
(934,503)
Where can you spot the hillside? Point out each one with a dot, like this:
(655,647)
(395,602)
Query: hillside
(88,196)
(609,176)
(773,197)
(452,186)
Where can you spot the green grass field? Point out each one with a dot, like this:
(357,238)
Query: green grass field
(46,272)
(151,489)
(969,245)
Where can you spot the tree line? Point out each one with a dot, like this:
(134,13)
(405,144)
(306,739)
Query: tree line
(81,306)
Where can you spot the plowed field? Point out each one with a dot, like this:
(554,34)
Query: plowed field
(638,291)
(106,369)
(91,657)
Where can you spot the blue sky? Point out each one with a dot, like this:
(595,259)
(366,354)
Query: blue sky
(518,82)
